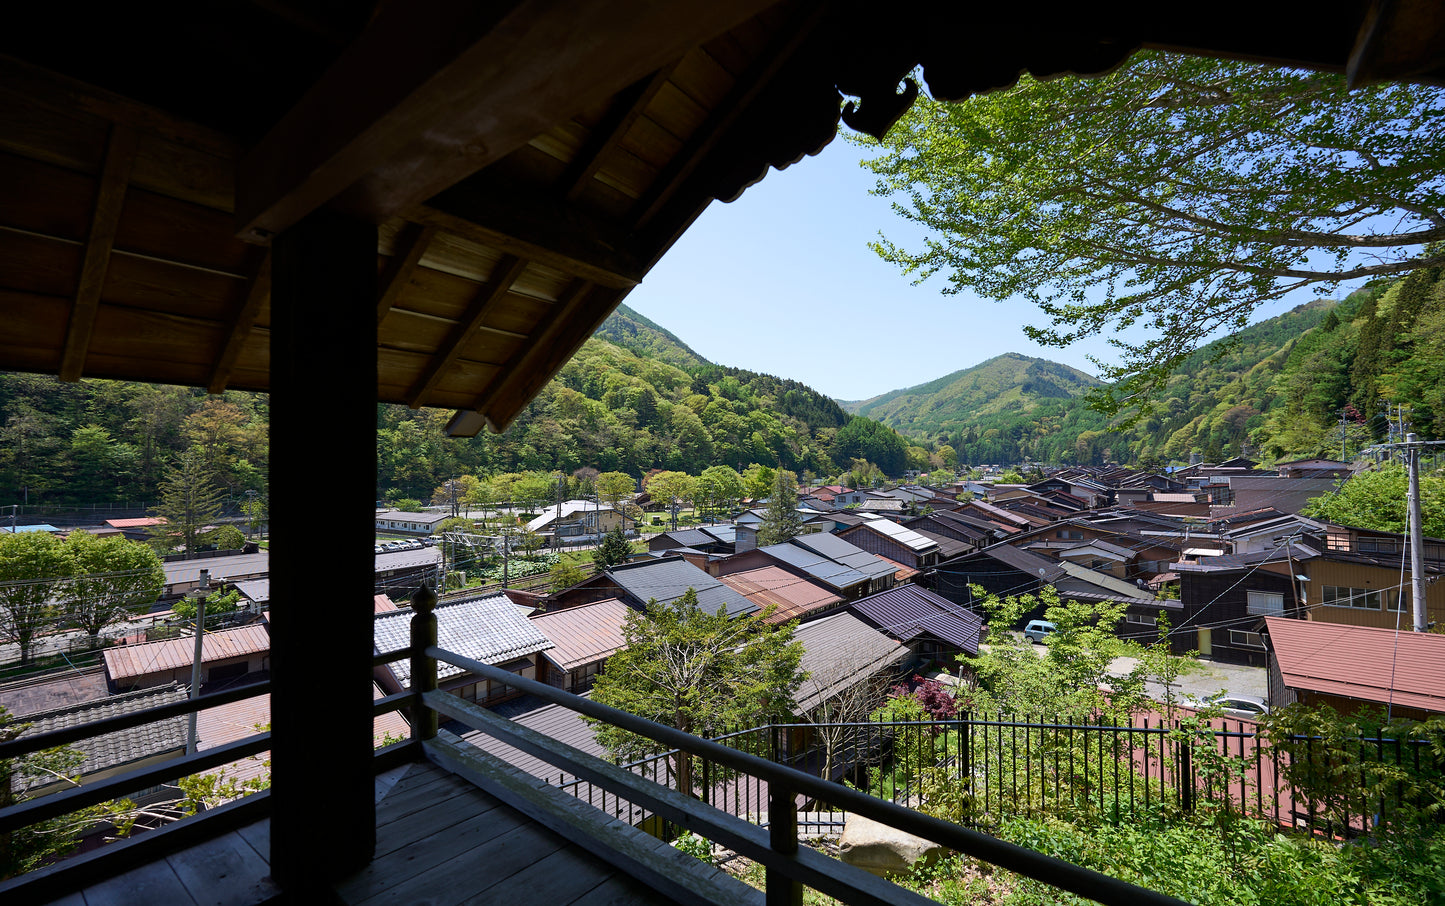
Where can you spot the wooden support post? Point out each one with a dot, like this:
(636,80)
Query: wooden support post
(323,461)
(423,667)
(783,838)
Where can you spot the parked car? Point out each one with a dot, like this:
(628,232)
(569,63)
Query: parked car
(1038,630)
(1245,706)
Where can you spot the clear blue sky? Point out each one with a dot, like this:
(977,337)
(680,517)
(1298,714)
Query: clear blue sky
(782,281)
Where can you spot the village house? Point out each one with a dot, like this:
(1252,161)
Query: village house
(582,639)
(933,628)
(405,523)
(663,580)
(492,630)
(575,521)
(1401,674)
(228,657)
(789,596)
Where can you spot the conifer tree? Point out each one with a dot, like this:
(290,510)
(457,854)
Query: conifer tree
(781,520)
(190,500)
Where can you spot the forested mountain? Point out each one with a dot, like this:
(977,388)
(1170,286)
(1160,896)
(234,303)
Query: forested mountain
(1301,384)
(1003,384)
(644,402)
(631,330)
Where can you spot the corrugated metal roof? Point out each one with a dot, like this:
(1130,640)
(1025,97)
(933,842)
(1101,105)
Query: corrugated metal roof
(829,572)
(669,579)
(1361,662)
(840,550)
(409,559)
(128,661)
(774,586)
(491,630)
(220,568)
(581,635)
(908,611)
(840,650)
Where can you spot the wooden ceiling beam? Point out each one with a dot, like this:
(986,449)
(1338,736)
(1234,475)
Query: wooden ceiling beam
(411,245)
(748,86)
(497,286)
(575,319)
(517,220)
(434,90)
(239,330)
(625,110)
(105,221)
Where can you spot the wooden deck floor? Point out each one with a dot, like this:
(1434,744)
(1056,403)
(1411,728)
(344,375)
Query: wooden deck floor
(439,840)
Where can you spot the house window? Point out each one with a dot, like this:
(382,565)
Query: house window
(1243,639)
(1266,603)
(1377,545)
(1395,600)
(1357,598)
(1141,619)
(1069,534)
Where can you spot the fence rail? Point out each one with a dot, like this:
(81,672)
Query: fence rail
(1009,767)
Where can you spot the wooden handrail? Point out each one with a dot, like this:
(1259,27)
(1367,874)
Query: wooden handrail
(1055,872)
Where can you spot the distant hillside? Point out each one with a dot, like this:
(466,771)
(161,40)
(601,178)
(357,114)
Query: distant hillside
(634,332)
(1006,383)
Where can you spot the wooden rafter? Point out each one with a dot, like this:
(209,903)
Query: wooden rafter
(411,245)
(239,330)
(503,276)
(557,341)
(548,231)
(625,110)
(434,90)
(109,200)
(747,87)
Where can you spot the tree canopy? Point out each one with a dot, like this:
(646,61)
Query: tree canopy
(1376,500)
(1178,193)
(703,673)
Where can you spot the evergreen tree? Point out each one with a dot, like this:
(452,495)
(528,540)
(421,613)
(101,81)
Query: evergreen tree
(190,500)
(781,520)
(614,549)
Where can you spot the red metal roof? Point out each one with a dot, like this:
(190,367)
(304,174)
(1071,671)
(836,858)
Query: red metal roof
(143,522)
(1361,662)
(581,635)
(775,586)
(125,661)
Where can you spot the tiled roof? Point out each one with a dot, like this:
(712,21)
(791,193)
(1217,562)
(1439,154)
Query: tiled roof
(908,611)
(581,635)
(491,630)
(774,586)
(1361,662)
(839,650)
(128,661)
(123,746)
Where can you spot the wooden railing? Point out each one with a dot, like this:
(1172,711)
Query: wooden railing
(788,866)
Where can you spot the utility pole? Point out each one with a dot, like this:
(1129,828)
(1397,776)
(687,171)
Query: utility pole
(1412,447)
(1417,557)
(204,586)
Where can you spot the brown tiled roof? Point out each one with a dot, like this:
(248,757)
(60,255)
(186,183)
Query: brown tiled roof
(582,635)
(774,586)
(1361,662)
(153,657)
(383,603)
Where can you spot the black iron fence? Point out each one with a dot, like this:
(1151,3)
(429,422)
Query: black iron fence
(982,771)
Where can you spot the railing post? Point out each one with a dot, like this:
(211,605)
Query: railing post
(423,668)
(783,838)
